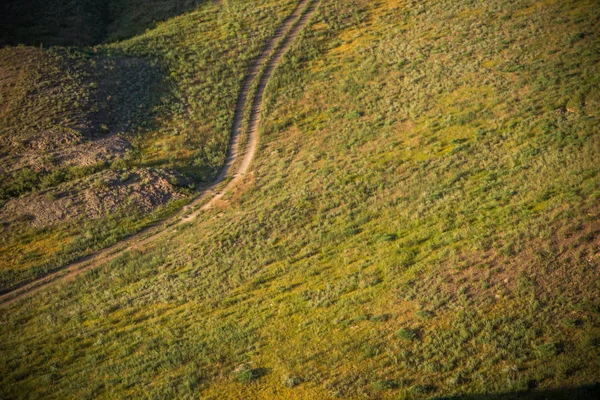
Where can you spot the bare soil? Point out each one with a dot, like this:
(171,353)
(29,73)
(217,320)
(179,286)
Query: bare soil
(109,192)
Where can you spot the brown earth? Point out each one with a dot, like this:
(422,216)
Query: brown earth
(109,192)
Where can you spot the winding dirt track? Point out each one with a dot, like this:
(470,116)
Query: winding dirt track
(227,179)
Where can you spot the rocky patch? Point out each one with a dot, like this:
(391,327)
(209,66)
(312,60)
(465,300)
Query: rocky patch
(108,192)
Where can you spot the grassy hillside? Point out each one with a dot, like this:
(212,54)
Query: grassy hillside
(87,133)
(68,117)
(422,221)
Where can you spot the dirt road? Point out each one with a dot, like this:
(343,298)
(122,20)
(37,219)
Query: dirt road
(237,163)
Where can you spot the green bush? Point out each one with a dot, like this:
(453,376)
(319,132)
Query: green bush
(384,385)
(406,334)
(548,350)
(245,374)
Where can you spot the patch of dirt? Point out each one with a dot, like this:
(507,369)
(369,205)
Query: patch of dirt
(45,154)
(146,189)
(568,262)
(97,151)
(93,152)
(51,140)
(108,192)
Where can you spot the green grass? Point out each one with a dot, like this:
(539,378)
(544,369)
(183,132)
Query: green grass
(421,221)
(170,92)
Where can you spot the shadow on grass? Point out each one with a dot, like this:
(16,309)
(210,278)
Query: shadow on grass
(575,393)
(82,22)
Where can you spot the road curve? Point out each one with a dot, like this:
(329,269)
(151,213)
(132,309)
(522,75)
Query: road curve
(264,66)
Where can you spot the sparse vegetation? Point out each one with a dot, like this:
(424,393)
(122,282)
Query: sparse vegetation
(161,101)
(421,221)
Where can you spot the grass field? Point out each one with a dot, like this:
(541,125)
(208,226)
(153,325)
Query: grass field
(168,94)
(422,221)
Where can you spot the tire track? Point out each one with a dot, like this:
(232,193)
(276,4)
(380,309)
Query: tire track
(264,66)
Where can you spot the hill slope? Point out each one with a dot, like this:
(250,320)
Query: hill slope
(422,221)
(99,142)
